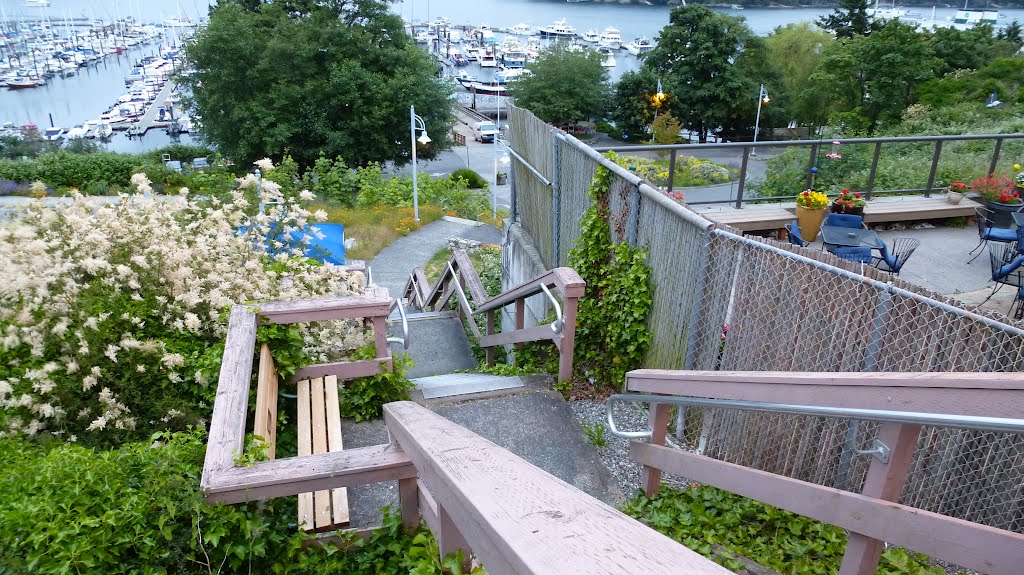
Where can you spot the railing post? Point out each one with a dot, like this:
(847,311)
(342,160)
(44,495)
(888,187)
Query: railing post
(408,501)
(671,170)
(658,419)
(380,337)
(874,170)
(810,164)
(520,319)
(450,539)
(884,481)
(567,343)
(489,351)
(555,201)
(743,177)
(995,156)
(935,165)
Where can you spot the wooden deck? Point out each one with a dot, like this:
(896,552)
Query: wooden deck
(910,209)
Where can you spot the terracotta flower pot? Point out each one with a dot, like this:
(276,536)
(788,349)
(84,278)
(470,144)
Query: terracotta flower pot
(809,222)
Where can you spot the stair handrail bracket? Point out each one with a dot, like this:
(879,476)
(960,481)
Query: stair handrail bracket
(222,479)
(561,287)
(901,403)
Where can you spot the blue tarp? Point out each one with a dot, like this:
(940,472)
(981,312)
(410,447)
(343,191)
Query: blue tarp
(330,249)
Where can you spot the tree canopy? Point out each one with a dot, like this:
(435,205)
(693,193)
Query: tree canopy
(565,86)
(309,77)
(849,19)
(699,56)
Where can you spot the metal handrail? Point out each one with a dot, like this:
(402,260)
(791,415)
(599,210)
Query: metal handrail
(404,340)
(458,289)
(997,424)
(789,143)
(414,283)
(556,326)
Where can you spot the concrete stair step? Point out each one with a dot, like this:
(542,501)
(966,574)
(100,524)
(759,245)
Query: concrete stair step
(437,344)
(452,384)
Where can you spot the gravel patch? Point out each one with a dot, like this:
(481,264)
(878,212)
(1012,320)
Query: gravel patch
(615,455)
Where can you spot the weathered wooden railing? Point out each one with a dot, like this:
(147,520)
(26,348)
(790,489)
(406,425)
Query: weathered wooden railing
(225,481)
(459,276)
(506,513)
(902,402)
(516,518)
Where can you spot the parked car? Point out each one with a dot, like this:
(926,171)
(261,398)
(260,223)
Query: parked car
(485,131)
(200,164)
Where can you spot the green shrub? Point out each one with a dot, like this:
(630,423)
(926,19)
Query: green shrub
(781,541)
(472,179)
(139,509)
(450,194)
(709,172)
(612,131)
(364,397)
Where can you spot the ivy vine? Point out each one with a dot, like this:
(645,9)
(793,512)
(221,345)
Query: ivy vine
(611,330)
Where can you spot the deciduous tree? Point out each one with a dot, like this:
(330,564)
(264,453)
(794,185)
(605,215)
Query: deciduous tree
(334,77)
(565,86)
(849,19)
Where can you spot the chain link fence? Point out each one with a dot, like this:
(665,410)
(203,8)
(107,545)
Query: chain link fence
(724,301)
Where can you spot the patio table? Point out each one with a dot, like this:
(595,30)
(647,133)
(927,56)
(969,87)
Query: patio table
(850,237)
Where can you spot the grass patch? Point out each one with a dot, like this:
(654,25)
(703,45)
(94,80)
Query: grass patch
(376,227)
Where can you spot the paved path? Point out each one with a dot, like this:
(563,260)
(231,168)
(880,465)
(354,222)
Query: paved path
(392,265)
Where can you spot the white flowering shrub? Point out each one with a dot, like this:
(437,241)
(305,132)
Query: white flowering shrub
(112,317)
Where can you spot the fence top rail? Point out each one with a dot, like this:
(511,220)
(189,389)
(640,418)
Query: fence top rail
(791,143)
(520,519)
(880,285)
(967,394)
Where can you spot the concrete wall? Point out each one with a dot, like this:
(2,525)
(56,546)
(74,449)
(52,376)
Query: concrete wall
(521,262)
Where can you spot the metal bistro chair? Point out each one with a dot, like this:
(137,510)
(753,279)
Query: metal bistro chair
(989,232)
(850,253)
(1007,269)
(892,260)
(793,233)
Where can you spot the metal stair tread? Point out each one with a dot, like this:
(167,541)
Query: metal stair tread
(452,384)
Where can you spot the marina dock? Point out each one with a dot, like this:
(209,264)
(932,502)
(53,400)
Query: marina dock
(151,119)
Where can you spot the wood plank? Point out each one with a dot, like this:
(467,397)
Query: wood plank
(657,418)
(535,333)
(303,426)
(977,394)
(318,419)
(327,308)
(227,425)
(294,475)
(986,549)
(472,280)
(344,369)
(265,424)
(339,496)
(408,502)
(565,281)
(520,519)
(428,508)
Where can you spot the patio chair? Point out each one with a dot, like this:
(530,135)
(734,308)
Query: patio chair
(1007,269)
(793,233)
(892,260)
(845,221)
(989,232)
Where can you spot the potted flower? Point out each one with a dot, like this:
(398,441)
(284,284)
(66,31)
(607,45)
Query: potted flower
(955,192)
(502,178)
(810,211)
(849,203)
(1000,196)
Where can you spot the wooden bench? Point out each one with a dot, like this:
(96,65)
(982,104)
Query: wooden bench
(916,209)
(753,218)
(318,426)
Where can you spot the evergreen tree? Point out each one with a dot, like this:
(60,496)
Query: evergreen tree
(849,19)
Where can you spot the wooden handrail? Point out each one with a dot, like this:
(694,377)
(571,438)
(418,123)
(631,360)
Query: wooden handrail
(459,276)
(519,519)
(873,516)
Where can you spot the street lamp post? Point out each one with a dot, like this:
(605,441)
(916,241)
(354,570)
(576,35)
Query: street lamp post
(658,99)
(494,148)
(762,98)
(414,123)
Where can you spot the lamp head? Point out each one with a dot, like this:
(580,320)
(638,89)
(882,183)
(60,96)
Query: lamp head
(424,139)
(766,99)
(505,160)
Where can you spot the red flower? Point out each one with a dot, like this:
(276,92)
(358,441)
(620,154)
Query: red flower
(856,195)
(807,193)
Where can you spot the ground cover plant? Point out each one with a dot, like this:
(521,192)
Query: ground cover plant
(374,228)
(784,542)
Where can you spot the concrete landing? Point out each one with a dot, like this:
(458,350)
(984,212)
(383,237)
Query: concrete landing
(538,426)
(437,344)
(454,384)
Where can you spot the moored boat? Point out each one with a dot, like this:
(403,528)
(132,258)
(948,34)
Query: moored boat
(640,45)
(558,29)
(610,38)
